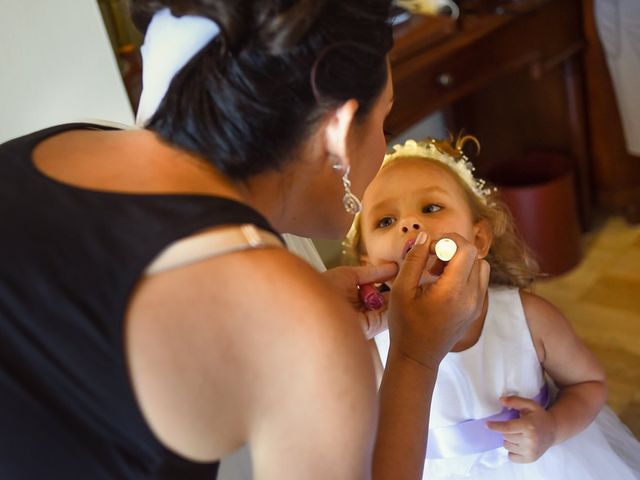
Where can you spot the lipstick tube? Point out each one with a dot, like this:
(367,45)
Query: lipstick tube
(370,297)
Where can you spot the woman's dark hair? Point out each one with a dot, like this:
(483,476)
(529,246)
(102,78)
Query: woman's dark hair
(254,93)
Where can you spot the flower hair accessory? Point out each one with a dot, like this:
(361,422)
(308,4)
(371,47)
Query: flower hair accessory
(169,44)
(451,156)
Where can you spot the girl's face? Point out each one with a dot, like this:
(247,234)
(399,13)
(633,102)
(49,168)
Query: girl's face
(409,196)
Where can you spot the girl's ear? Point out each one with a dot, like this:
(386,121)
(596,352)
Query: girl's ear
(483,237)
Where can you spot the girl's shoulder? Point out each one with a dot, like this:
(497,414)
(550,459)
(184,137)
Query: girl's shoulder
(545,321)
(540,311)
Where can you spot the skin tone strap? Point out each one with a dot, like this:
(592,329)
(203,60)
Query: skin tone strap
(208,244)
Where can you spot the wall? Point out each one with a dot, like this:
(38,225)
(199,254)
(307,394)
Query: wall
(57,66)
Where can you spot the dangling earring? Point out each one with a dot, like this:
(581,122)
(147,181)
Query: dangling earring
(351,203)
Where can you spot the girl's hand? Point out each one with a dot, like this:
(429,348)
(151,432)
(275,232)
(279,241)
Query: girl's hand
(528,437)
(425,321)
(346,280)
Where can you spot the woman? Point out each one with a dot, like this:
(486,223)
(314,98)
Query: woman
(147,331)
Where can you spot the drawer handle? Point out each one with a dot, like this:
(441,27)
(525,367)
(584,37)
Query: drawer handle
(445,79)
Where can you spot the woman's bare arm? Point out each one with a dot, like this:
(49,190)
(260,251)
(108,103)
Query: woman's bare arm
(424,323)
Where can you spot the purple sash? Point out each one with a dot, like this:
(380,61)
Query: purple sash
(472,436)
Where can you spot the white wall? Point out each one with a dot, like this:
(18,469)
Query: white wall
(618,23)
(430,126)
(56,66)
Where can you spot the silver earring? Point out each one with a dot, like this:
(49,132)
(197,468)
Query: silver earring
(351,203)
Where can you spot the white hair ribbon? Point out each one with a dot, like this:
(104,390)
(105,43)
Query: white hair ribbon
(169,44)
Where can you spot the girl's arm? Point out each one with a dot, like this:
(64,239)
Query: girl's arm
(571,365)
(573,368)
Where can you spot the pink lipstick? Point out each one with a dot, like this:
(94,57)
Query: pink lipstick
(370,297)
(407,247)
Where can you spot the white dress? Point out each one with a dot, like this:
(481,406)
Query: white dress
(504,362)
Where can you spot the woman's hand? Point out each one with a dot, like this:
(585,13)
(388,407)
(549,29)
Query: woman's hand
(425,321)
(528,437)
(346,281)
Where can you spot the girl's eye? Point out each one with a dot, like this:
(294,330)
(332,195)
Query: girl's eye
(385,222)
(431,208)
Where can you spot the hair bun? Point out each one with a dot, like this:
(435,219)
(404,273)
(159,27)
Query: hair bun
(274,25)
(248,99)
(284,28)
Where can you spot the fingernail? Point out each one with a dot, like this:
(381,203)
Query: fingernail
(421,238)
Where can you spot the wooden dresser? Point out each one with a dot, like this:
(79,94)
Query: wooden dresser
(512,77)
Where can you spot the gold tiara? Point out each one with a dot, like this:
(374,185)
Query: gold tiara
(458,162)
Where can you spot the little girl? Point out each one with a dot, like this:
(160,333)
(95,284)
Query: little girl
(493,415)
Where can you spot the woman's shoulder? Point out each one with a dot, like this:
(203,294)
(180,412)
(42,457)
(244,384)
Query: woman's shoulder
(230,335)
(263,283)
(267,303)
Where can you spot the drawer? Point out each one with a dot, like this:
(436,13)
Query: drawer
(481,51)
(426,83)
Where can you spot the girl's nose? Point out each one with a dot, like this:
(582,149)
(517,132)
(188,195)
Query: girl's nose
(407,226)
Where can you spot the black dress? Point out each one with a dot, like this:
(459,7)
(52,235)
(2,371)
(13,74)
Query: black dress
(69,258)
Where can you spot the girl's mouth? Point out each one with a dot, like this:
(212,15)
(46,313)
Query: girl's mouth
(407,247)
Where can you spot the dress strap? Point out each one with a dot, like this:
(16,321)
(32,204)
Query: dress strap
(212,243)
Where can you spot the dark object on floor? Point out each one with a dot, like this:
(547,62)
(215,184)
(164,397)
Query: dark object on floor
(540,192)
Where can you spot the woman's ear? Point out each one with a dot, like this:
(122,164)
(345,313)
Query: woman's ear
(483,237)
(337,132)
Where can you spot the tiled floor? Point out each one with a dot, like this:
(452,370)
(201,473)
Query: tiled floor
(601,298)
